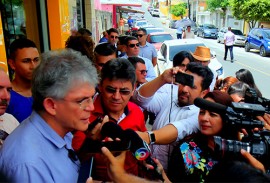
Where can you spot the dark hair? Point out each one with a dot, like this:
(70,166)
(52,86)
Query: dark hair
(202,71)
(85,32)
(105,49)
(20,44)
(225,99)
(135,60)
(245,76)
(121,39)
(119,68)
(180,57)
(83,44)
(236,171)
(129,38)
(112,30)
(142,29)
(238,88)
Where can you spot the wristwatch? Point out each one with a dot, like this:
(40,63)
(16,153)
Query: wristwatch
(152,137)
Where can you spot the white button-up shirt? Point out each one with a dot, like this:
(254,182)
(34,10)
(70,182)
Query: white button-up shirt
(229,37)
(167,110)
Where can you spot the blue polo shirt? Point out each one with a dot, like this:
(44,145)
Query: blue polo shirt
(34,152)
(148,51)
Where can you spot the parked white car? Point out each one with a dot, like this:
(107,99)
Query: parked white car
(140,24)
(155,13)
(239,36)
(171,47)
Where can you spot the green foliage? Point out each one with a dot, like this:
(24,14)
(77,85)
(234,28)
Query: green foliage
(179,9)
(251,11)
(212,5)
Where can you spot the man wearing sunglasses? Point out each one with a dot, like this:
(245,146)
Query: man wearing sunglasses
(113,35)
(140,69)
(132,47)
(116,87)
(39,149)
(147,50)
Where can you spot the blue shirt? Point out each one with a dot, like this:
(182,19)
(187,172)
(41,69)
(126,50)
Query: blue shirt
(179,30)
(34,152)
(148,51)
(103,40)
(151,74)
(19,106)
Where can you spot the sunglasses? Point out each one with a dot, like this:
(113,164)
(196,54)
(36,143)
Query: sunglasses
(116,37)
(114,90)
(143,71)
(133,45)
(140,35)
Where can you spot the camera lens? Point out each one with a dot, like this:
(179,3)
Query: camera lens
(232,147)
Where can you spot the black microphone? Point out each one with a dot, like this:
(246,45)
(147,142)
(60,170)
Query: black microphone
(211,106)
(138,147)
(111,129)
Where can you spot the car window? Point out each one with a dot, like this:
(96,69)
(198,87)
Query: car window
(209,26)
(160,38)
(162,49)
(177,48)
(237,32)
(148,31)
(267,33)
(254,32)
(141,23)
(165,51)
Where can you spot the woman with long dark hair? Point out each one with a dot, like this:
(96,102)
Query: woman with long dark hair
(194,157)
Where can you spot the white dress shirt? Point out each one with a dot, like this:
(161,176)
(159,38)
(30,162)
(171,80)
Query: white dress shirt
(185,119)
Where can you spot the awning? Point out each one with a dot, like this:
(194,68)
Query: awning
(128,10)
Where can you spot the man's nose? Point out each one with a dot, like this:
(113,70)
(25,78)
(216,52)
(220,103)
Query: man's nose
(5,95)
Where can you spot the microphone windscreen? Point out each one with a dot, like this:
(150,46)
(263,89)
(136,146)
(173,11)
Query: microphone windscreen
(111,129)
(139,147)
(211,106)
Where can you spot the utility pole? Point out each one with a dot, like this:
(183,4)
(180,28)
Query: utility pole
(188,6)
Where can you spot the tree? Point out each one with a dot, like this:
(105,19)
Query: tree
(251,11)
(213,5)
(179,9)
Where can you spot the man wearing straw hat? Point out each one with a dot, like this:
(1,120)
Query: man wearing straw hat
(202,55)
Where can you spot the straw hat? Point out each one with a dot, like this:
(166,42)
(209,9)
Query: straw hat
(202,53)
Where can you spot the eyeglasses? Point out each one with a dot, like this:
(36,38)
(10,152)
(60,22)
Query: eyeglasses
(83,103)
(114,90)
(116,37)
(143,71)
(140,35)
(133,45)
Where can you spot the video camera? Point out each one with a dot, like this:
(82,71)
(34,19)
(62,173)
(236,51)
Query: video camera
(241,115)
(252,97)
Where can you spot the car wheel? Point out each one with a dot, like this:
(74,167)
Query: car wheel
(247,47)
(262,51)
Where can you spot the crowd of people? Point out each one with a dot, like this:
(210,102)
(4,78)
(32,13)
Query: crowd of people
(50,100)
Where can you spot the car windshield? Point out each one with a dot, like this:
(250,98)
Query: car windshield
(141,23)
(237,32)
(160,38)
(148,31)
(267,33)
(187,47)
(209,26)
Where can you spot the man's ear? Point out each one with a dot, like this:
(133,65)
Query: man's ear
(204,92)
(50,106)
(11,63)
